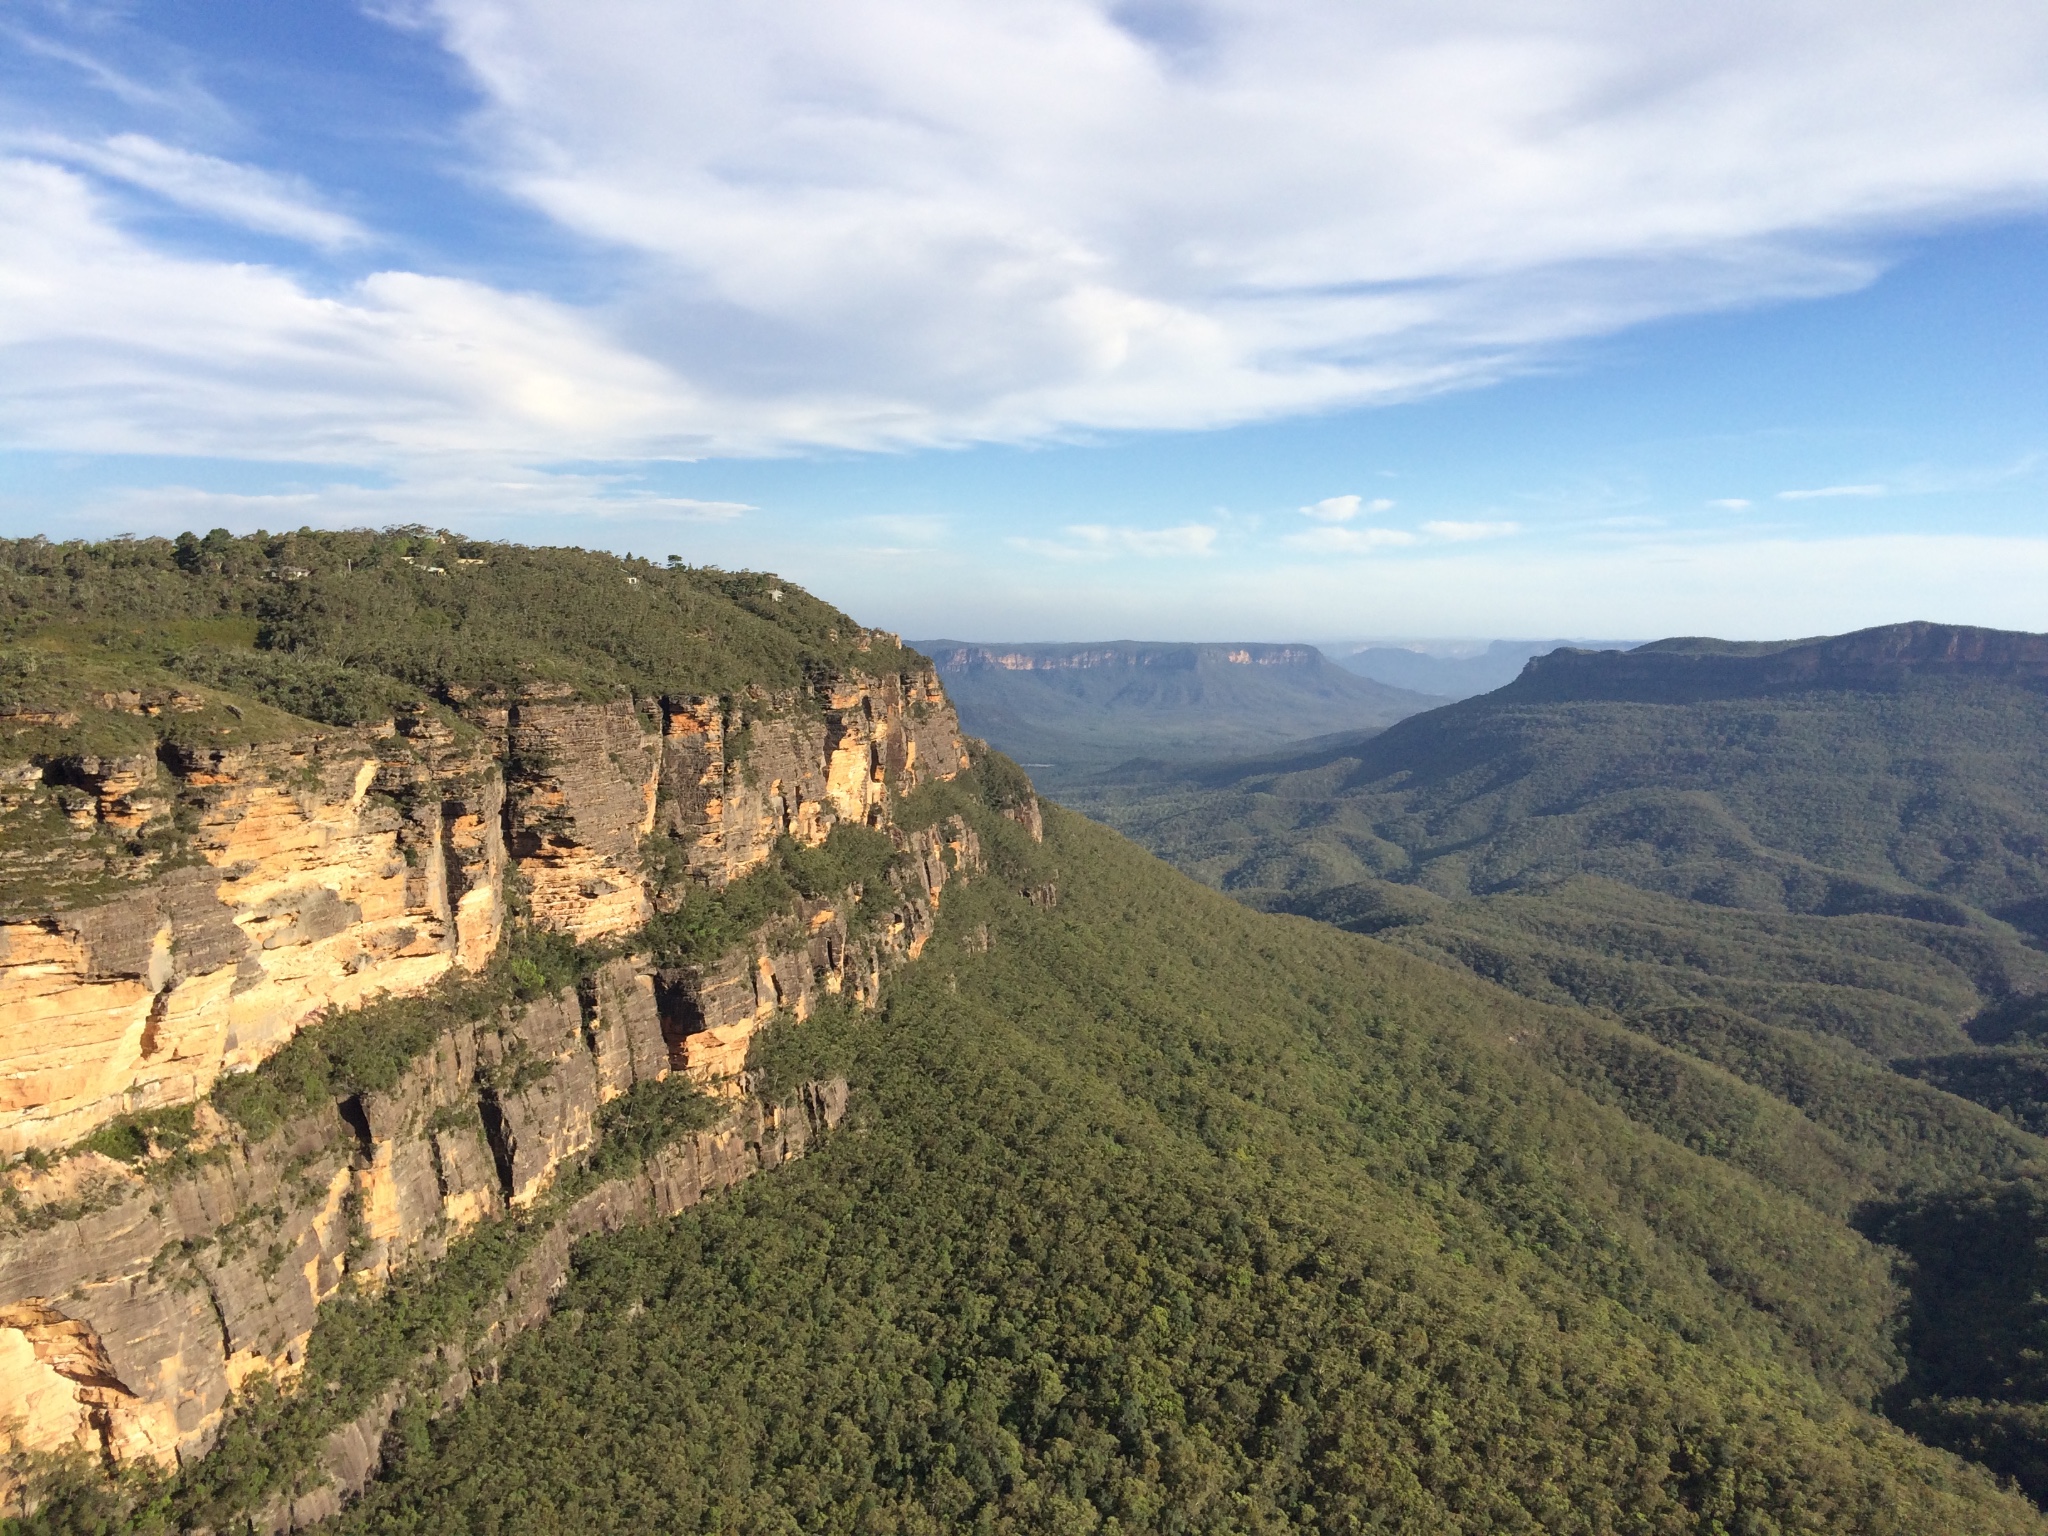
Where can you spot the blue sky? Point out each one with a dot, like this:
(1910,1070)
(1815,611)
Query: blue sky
(1057,319)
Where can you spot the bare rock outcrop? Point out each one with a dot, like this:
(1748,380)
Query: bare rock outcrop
(322,873)
(314,874)
(737,774)
(181,1289)
(129,1328)
(825,948)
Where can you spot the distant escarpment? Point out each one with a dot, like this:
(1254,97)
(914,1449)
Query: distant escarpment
(328,962)
(953,655)
(1075,710)
(1687,670)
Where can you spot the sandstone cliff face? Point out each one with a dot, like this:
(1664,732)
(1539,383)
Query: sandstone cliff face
(711,1013)
(736,776)
(322,872)
(722,777)
(169,1298)
(129,1328)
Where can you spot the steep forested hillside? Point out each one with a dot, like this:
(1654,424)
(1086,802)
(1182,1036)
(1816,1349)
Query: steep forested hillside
(1819,867)
(1147,1211)
(1921,790)
(1160,1214)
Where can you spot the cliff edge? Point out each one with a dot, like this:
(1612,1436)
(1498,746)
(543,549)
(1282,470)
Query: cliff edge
(291,1005)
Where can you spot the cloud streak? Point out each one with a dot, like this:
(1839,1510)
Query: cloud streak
(1342,509)
(819,229)
(1350,541)
(1101,541)
(205,184)
(1453,532)
(1830,492)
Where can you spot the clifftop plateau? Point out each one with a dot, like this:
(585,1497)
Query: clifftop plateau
(1072,710)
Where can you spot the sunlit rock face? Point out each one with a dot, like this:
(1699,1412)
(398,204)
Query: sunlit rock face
(130,1327)
(737,774)
(711,1013)
(319,872)
(328,870)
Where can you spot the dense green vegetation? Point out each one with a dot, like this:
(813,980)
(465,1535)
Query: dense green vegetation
(1160,1214)
(1804,895)
(337,626)
(362,1346)
(1163,703)
(1655,1153)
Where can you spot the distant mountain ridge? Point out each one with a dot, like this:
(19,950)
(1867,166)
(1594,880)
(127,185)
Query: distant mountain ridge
(1455,677)
(1076,708)
(1892,767)
(1802,884)
(1690,669)
(952,655)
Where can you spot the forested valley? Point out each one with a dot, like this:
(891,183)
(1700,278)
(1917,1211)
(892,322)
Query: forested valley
(1567,1110)
(1797,889)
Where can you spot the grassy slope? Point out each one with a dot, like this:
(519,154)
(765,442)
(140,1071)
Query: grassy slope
(1160,1214)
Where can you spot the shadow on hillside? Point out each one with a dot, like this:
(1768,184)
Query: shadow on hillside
(1974,1330)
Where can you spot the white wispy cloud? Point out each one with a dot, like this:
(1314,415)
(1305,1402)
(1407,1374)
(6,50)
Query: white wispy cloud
(240,194)
(1469,532)
(1342,509)
(689,508)
(1731,503)
(508,501)
(1824,492)
(820,229)
(107,345)
(1350,541)
(1103,541)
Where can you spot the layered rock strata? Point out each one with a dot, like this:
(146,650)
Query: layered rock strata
(738,774)
(130,1327)
(834,947)
(724,777)
(314,874)
(752,1139)
(321,872)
